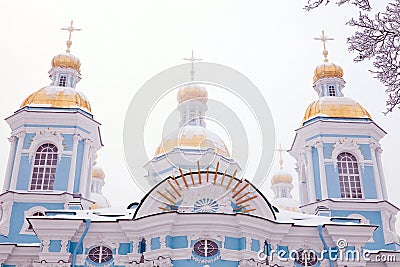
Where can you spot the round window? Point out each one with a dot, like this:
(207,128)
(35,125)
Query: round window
(205,248)
(306,258)
(100,254)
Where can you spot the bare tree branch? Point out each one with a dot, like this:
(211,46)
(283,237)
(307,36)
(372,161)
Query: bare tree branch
(362,4)
(376,38)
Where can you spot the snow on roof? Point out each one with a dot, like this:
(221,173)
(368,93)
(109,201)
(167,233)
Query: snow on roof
(106,214)
(297,218)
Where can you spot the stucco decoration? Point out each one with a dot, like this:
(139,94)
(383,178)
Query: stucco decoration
(347,145)
(43,137)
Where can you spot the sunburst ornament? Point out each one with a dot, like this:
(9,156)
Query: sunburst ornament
(205,205)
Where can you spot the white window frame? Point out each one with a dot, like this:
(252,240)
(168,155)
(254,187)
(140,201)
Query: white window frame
(347,177)
(45,166)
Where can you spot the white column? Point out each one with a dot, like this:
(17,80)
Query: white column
(310,175)
(163,241)
(378,186)
(148,243)
(84,170)
(17,161)
(64,244)
(72,168)
(11,155)
(381,174)
(322,176)
(45,244)
(90,166)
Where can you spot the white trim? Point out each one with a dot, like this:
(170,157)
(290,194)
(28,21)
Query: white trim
(17,161)
(324,189)
(373,146)
(11,160)
(71,177)
(310,175)
(85,164)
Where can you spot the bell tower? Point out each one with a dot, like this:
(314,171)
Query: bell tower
(338,155)
(52,145)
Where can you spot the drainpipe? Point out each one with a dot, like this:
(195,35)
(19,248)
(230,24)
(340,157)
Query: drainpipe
(324,243)
(88,221)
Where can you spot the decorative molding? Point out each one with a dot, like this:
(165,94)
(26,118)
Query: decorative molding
(25,227)
(347,145)
(12,139)
(43,137)
(6,208)
(388,224)
(252,263)
(164,262)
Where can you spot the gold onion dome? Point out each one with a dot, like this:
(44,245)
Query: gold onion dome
(328,70)
(336,107)
(281,177)
(97,172)
(57,97)
(193,138)
(66,61)
(192,92)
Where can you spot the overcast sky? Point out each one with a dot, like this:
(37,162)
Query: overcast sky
(125,43)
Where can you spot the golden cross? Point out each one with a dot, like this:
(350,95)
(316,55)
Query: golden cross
(280,150)
(70,29)
(192,59)
(324,39)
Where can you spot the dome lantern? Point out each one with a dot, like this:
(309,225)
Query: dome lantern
(329,83)
(65,74)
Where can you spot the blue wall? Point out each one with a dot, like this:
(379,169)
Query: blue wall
(177,242)
(18,218)
(24,173)
(68,141)
(332,181)
(62,174)
(368,182)
(235,243)
(374,218)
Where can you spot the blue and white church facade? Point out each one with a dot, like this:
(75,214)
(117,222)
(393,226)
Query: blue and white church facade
(198,213)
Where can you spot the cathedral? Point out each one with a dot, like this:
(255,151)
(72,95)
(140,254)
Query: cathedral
(197,212)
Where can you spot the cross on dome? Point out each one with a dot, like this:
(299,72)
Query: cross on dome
(324,40)
(280,150)
(192,59)
(70,29)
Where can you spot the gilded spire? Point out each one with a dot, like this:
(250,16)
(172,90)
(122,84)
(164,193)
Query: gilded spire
(192,59)
(324,39)
(70,29)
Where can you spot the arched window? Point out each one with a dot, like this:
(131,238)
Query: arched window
(349,176)
(44,167)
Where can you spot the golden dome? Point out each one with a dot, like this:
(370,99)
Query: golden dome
(193,137)
(97,172)
(336,107)
(192,91)
(328,70)
(281,177)
(57,97)
(66,61)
